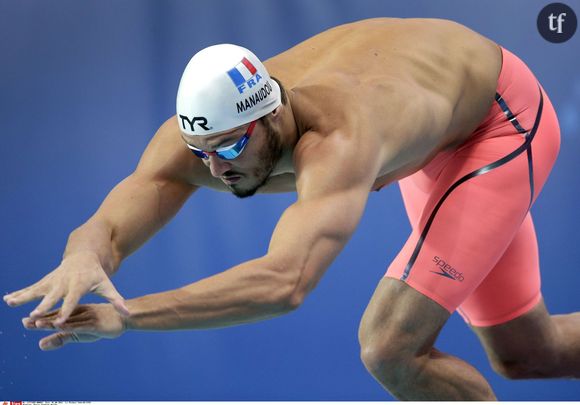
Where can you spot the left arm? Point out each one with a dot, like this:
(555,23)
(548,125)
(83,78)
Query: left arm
(334,175)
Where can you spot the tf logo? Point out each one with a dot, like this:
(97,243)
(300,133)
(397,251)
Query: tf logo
(244,74)
(557,22)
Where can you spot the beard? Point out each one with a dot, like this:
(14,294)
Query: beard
(268,156)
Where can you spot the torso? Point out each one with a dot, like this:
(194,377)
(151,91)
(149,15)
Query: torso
(349,79)
(345,78)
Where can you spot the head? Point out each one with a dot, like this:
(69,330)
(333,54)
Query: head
(249,170)
(228,108)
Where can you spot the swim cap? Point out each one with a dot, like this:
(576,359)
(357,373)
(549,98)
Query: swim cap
(223,87)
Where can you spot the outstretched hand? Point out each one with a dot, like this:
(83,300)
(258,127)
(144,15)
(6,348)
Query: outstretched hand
(77,275)
(86,324)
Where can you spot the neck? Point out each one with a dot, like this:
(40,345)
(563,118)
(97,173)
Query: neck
(288,131)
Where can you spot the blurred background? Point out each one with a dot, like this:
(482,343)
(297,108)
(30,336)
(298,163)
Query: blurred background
(83,88)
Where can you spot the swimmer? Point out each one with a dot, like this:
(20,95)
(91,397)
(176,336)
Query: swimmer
(458,121)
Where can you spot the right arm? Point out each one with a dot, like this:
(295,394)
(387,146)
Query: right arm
(132,212)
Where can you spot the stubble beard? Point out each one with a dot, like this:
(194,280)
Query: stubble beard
(268,156)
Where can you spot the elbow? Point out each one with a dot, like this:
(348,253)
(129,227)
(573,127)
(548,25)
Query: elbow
(293,293)
(285,297)
(294,301)
(285,292)
(290,283)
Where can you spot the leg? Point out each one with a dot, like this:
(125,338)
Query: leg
(440,269)
(534,345)
(397,334)
(508,315)
(464,219)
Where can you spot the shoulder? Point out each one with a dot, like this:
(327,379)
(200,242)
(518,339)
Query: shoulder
(168,158)
(337,161)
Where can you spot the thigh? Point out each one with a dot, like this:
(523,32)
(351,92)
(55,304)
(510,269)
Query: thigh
(465,217)
(466,223)
(512,288)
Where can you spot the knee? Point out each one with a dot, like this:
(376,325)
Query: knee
(392,365)
(385,358)
(378,358)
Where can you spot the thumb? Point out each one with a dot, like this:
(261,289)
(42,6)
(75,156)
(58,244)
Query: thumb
(56,341)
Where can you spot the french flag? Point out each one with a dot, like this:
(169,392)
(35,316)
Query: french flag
(242,72)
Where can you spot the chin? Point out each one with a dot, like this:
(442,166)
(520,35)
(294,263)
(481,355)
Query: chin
(243,191)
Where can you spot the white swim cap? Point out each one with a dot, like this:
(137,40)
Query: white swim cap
(223,87)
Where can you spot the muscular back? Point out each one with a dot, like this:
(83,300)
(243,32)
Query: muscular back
(410,87)
(379,77)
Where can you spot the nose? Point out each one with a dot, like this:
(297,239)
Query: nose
(218,166)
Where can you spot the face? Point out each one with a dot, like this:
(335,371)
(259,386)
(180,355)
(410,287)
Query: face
(245,174)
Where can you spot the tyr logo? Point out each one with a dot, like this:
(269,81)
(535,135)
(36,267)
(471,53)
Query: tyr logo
(201,121)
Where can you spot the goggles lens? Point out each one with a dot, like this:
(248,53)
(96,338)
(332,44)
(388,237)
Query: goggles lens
(228,152)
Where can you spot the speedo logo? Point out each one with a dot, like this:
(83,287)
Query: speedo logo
(446,270)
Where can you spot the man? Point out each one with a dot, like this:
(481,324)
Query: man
(459,122)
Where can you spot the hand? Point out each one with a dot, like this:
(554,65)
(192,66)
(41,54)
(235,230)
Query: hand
(87,324)
(77,275)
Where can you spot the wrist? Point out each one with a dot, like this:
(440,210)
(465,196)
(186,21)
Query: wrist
(94,238)
(127,320)
(91,256)
(125,324)
(117,322)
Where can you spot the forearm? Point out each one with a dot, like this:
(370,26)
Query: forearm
(247,293)
(132,212)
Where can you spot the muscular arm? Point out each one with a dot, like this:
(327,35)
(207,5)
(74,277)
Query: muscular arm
(334,174)
(140,205)
(133,211)
(333,185)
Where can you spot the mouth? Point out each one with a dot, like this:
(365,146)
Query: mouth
(229,180)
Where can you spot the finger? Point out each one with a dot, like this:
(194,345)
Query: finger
(39,324)
(57,340)
(35,286)
(51,316)
(48,322)
(28,323)
(17,292)
(71,300)
(79,313)
(110,293)
(46,304)
(23,296)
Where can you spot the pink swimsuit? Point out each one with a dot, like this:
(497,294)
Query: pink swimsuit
(473,245)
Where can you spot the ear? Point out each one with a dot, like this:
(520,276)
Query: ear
(276,111)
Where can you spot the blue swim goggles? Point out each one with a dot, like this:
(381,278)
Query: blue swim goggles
(227,152)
